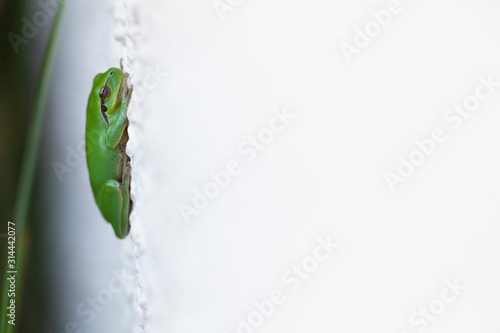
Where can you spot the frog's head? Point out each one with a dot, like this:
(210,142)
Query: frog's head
(110,88)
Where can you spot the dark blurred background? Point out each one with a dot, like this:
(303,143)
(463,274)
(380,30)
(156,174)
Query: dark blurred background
(18,74)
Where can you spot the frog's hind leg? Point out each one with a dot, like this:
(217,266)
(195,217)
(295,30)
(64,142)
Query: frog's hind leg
(127,203)
(112,207)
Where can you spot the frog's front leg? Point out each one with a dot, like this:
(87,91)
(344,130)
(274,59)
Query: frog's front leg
(118,122)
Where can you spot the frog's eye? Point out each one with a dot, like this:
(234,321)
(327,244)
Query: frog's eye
(104,92)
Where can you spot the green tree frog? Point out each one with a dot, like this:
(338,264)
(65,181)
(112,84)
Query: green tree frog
(105,142)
